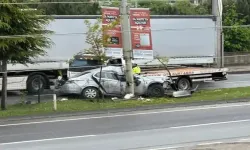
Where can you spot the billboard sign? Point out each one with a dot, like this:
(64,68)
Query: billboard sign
(141,33)
(114,41)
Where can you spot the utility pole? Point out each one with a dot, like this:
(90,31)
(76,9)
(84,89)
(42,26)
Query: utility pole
(127,46)
(216,11)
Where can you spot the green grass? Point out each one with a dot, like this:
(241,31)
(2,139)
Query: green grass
(84,105)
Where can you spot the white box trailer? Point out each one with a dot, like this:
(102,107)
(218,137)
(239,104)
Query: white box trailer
(185,40)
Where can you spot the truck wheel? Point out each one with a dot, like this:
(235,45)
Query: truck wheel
(33,84)
(156,90)
(184,83)
(90,93)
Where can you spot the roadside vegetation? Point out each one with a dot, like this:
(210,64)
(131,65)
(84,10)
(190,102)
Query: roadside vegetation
(77,105)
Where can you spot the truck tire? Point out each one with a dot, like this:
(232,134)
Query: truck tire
(33,84)
(90,93)
(156,90)
(184,83)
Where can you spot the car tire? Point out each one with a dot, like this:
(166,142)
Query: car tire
(156,90)
(90,93)
(33,84)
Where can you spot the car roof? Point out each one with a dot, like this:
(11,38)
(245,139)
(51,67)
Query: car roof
(105,69)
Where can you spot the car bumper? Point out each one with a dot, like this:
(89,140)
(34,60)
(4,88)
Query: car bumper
(70,88)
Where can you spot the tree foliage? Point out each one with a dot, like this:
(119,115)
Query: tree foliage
(243,8)
(236,38)
(97,39)
(16,21)
(164,8)
(158,7)
(53,8)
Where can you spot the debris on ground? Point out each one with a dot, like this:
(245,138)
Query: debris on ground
(114,98)
(140,98)
(128,96)
(143,99)
(64,99)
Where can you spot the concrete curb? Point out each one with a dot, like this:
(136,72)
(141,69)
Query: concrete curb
(203,145)
(123,110)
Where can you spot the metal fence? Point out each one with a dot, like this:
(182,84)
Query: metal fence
(236,60)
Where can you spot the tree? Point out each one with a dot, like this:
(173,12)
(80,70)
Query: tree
(185,8)
(98,39)
(236,38)
(95,39)
(243,8)
(16,22)
(69,9)
(158,7)
(205,8)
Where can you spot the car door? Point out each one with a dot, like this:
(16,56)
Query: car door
(109,82)
(112,83)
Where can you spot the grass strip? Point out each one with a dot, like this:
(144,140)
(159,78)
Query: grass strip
(76,105)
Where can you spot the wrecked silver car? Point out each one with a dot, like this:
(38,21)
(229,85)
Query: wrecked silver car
(110,81)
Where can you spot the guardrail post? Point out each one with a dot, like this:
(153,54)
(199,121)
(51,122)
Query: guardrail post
(54,102)
(39,89)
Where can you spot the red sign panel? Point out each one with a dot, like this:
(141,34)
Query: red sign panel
(110,15)
(114,37)
(140,29)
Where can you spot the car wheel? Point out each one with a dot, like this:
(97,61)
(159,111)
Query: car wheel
(33,84)
(90,93)
(184,84)
(156,90)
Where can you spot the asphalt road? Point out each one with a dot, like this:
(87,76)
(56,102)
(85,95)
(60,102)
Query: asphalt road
(234,80)
(154,129)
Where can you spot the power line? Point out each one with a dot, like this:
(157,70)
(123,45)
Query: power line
(156,30)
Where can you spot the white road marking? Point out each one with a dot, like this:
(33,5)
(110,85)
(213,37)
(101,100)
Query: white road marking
(244,140)
(162,148)
(131,114)
(208,124)
(208,143)
(43,140)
